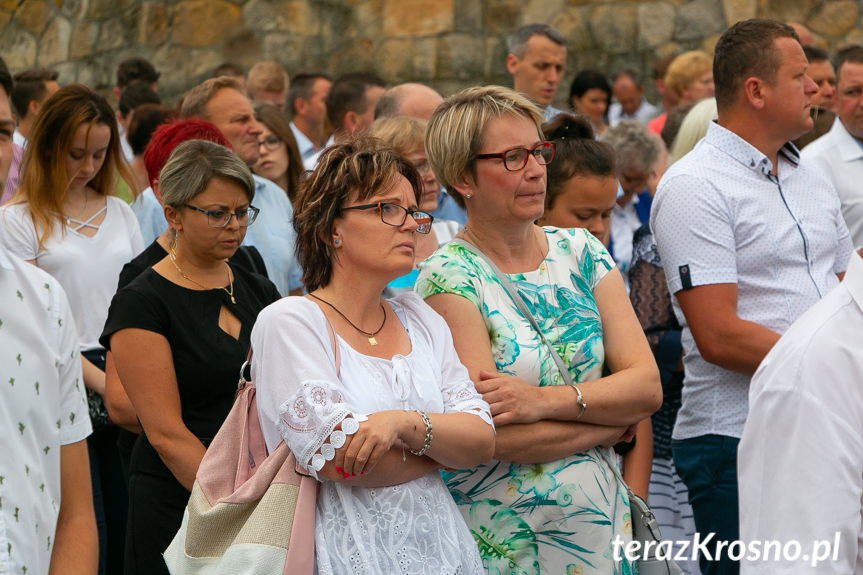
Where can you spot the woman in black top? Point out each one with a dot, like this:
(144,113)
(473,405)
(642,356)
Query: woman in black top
(179,333)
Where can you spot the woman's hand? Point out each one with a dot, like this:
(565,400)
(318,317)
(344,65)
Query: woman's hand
(365,448)
(510,398)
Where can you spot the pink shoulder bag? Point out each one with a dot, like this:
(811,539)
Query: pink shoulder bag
(249,512)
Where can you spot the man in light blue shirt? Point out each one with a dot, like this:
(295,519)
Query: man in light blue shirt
(223,102)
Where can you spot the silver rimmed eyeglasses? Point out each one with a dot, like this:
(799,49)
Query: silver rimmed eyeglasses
(220,218)
(515,159)
(396,215)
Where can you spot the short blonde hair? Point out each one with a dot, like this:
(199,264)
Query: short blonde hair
(687,69)
(406,135)
(455,130)
(268,76)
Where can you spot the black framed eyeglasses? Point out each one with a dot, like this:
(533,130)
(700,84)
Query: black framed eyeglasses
(515,159)
(220,218)
(271,142)
(396,215)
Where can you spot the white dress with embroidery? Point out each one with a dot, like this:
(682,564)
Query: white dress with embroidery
(414,527)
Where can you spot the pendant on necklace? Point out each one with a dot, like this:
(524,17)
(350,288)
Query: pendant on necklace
(233,300)
(373,341)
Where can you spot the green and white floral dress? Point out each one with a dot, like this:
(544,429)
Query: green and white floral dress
(551,518)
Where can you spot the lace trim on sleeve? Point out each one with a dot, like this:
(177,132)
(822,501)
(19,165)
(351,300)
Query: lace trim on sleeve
(315,422)
(465,399)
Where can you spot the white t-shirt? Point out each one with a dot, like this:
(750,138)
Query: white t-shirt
(86,267)
(42,407)
(412,527)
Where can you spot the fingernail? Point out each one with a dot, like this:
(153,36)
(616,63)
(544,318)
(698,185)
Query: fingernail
(346,475)
(362,472)
(339,469)
(353,474)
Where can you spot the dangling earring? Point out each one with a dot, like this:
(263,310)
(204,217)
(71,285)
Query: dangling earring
(174,246)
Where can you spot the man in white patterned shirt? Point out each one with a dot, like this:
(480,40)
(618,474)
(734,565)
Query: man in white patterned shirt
(750,239)
(46,503)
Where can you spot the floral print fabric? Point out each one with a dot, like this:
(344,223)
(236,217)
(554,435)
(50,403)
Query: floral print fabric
(559,517)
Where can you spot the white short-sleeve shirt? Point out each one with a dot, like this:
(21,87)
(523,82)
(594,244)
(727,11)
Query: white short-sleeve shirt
(719,216)
(87,267)
(42,407)
(840,156)
(800,462)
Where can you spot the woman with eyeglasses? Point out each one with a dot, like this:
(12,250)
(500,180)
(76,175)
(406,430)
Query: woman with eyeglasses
(279,160)
(406,136)
(178,334)
(375,430)
(548,500)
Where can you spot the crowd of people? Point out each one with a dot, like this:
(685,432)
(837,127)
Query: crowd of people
(462,309)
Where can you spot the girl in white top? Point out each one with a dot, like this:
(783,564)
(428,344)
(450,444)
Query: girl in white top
(66,220)
(401,406)
(65,217)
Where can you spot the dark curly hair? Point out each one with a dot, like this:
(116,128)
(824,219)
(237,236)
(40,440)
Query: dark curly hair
(363,167)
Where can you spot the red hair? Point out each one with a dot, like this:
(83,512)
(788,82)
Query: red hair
(169,136)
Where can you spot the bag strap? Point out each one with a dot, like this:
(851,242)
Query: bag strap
(516,298)
(337,357)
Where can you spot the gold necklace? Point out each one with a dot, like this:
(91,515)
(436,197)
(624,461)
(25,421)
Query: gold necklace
(369,334)
(228,290)
(69,219)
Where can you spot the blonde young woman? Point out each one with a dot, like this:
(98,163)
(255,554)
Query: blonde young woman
(375,432)
(548,500)
(67,220)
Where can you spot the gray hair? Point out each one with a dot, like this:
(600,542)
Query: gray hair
(517,43)
(191,167)
(633,147)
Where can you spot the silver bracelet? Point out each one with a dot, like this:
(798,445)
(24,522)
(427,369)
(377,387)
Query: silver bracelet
(579,400)
(429,434)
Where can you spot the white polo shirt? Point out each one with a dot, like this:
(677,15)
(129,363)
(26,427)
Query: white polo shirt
(719,216)
(840,156)
(800,463)
(42,407)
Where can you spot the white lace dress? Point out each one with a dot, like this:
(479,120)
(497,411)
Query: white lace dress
(411,528)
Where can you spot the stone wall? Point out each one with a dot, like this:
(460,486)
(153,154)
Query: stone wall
(448,44)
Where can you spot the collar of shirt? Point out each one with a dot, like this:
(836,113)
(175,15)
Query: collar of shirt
(306,146)
(849,147)
(17,138)
(854,278)
(745,153)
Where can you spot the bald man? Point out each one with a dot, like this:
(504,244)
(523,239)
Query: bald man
(411,99)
